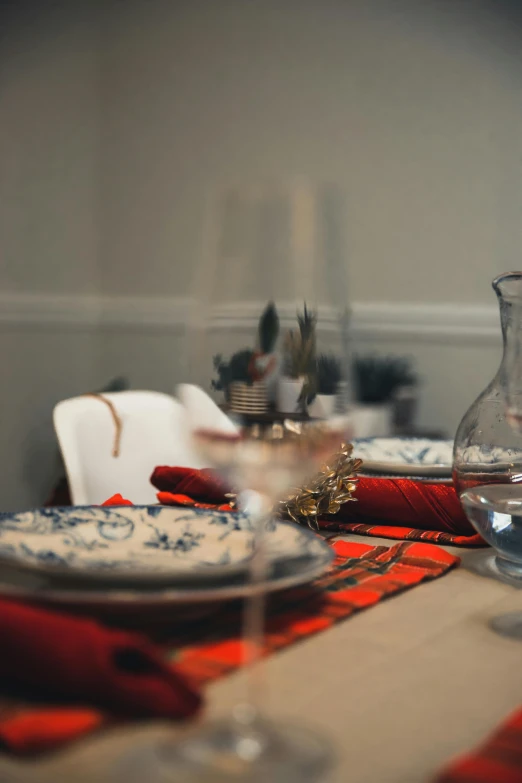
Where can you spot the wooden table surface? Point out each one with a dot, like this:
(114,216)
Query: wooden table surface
(399,689)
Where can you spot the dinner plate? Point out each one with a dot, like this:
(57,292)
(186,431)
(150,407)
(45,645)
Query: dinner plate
(405,456)
(144,544)
(150,602)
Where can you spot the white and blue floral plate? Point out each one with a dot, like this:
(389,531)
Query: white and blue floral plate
(405,456)
(144,603)
(147,544)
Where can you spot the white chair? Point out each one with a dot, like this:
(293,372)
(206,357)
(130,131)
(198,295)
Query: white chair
(202,411)
(154,431)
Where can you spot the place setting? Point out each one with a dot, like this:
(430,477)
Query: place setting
(252,509)
(136,559)
(270,525)
(424,459)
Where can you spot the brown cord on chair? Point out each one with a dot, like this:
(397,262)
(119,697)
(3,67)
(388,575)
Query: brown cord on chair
(116,419)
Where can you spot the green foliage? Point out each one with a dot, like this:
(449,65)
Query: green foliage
(268,328)
(307,321)
(376,378)
(299,359)
(240,368)
(328,373)
(300,353)
(237,369)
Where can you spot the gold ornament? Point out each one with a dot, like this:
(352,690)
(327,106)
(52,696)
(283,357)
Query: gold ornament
(327,492)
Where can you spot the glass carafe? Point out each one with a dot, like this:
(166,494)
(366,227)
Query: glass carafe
(488,443)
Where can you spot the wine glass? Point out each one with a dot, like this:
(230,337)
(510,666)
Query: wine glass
(275,263)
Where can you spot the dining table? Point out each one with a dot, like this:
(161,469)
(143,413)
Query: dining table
(398,690)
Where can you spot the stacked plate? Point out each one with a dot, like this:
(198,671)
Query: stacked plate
(400,457)
(146,558)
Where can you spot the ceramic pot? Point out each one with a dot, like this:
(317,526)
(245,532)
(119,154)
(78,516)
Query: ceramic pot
(288,392)
(368,421)
(248,399)
(269,368)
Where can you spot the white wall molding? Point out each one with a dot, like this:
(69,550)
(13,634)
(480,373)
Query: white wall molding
(434,321)
(93,312)
(370,320)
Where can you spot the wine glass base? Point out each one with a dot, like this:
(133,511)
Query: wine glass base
(221,752)
(509,625)
(509,568)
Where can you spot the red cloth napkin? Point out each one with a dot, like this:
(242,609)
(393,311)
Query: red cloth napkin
(47,655)
(117,500)
(50,656)
(401,508)
(498,760)
(190,487)
(391,508)
(360,576)
(203,485)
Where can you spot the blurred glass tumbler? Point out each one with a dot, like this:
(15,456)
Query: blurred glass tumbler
(278,245)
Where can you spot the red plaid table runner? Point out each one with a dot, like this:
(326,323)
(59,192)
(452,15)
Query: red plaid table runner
(498,760)
(361,576)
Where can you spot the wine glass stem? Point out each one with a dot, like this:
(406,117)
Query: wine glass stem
(254,621)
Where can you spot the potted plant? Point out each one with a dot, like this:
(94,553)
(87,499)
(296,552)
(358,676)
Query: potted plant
(244,391)
(376,381)
(297,385)
(327,378)
(265,359)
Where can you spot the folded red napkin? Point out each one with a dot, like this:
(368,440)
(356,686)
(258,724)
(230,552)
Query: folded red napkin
(45,655)
(203,485)
(498,760)
(391,508)
(190,487)
(401,508)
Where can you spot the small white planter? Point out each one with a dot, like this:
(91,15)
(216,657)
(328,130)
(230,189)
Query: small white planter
(270,366)
(248,399)
(367,421)
(288,392)
(323,406)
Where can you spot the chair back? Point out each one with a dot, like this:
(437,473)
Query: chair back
(112,442)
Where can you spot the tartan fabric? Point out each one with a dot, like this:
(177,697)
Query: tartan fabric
(401,533)
(361,576)
(498,760)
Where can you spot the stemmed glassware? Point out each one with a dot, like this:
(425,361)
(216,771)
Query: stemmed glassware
(280,246)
